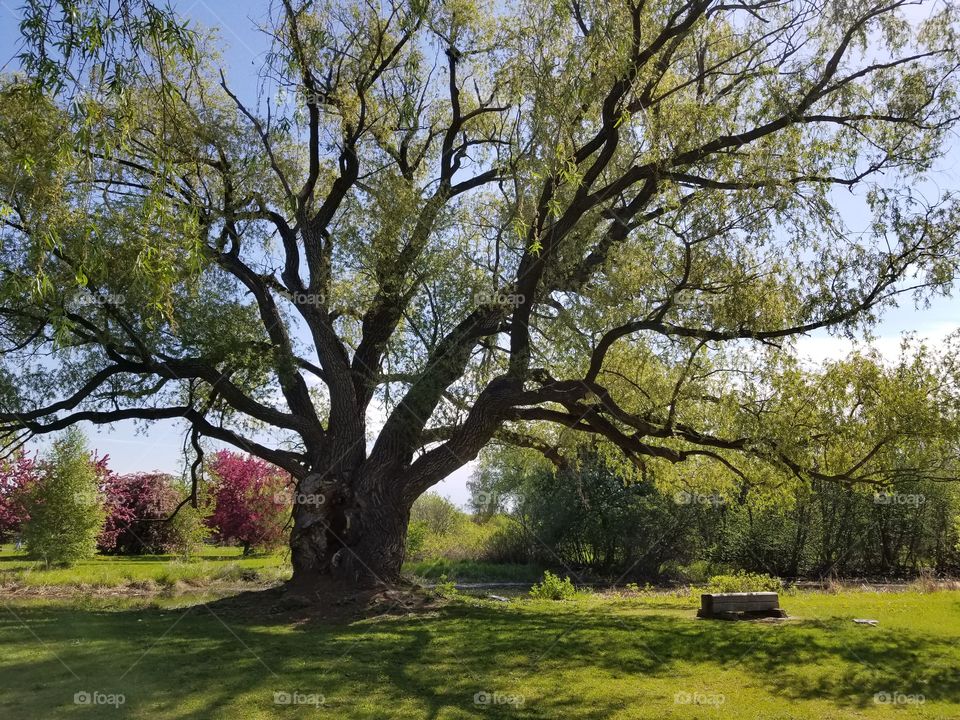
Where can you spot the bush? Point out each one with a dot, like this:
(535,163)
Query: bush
(437,513)
(446,588)
(507,542)
(467,541)
(590,514)
(137,507)
(17,475)
(553,588)
(439,529)
(697,572)
(417,533)
(189,532)
(64,505)
(744,582)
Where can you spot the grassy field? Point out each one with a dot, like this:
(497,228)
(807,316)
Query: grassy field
(598,656)
(217,565)
(225,565)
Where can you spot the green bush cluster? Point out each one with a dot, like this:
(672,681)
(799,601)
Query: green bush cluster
(438,529)
(598,516)
(742,581)
(553,588)
(189,532)
(65,507)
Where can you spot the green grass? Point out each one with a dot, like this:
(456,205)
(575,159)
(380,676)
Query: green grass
(471,571)
(218,564)
(215,564)
(594,657)
(183,655)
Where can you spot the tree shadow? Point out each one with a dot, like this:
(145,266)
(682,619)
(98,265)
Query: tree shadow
(215,659)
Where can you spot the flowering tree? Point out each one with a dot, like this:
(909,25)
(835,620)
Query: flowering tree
(251,500)
(16,475)
(137,505)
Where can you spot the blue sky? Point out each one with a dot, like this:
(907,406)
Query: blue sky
(160,445)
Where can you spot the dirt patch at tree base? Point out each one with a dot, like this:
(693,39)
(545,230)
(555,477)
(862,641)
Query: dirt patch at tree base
(274,603)
(328,602)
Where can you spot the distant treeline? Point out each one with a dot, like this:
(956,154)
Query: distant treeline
(589,516)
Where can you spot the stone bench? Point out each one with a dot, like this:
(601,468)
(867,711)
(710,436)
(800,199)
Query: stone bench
(740,606)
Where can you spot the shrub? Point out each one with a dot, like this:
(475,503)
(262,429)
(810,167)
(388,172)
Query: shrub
(137,505)
(439,529)
(189,532)
(17,474)
(926,581)
(507,543)
(416,538)
(553,588)
(590,513)
(744,582)
(440,516)
(466,541)
(697,572)
(446,588)
(64,505)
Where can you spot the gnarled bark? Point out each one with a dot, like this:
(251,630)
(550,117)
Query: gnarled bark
(347,538)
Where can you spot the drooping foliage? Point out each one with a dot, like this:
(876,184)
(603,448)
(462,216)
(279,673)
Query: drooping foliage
(477,222)
(591,510)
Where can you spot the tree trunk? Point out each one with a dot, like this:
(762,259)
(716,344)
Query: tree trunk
(348,538)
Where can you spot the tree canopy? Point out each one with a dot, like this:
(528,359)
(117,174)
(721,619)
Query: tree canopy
(458,222)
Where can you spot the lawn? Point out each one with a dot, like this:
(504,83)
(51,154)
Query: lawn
(215,565)
(218,565)
(598,656)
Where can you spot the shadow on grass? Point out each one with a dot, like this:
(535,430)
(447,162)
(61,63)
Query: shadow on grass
(213,660)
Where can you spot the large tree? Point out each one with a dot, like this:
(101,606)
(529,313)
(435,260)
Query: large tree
(445,223)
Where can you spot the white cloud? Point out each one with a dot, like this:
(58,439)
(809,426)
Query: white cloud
(815,349)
